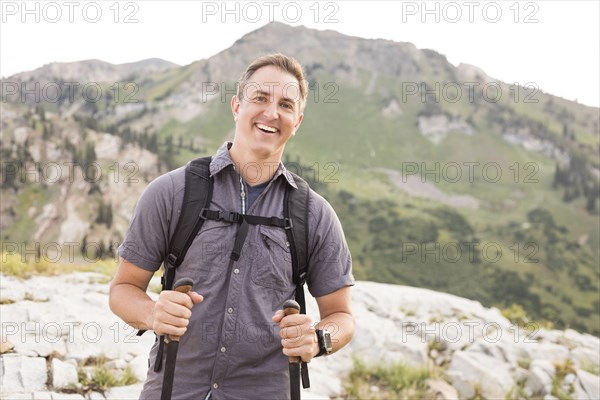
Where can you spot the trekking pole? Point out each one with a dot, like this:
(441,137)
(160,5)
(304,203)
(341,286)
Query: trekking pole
(182,285)
(292,307)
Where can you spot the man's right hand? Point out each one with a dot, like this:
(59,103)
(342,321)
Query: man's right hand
(172,312)
(128,299)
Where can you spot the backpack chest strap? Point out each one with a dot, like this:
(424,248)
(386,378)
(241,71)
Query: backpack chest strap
(245,220)
(235,217)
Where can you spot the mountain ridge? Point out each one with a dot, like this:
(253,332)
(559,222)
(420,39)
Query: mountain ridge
(92,70)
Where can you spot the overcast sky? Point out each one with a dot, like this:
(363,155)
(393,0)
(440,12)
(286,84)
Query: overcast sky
(552,44)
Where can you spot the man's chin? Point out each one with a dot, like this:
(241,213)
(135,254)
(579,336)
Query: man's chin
(267,150)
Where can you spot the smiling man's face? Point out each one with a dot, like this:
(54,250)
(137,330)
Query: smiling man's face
(268,114)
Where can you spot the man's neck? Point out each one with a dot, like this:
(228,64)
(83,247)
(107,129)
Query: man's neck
(255,170)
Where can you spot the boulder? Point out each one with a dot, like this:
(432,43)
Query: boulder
(38,346)
(547,351)
(11,291)
(574,339)
(17,396)
(438,389)
(139,367)
(39,395)
(95,396)
(116,364)
(540,377)
(326,382)
(131,392)
(23,374)
(586,357)
(5,345)
(63,374)
(590,384)
(492,376)
(464,387)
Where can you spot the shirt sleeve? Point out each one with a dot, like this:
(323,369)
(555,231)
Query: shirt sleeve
(329,259)
(147,238)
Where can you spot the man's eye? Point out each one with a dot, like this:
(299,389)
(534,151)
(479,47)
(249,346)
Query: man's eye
(287,105)
(260,98)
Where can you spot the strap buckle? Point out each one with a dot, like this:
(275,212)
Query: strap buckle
(288,223)
(228,216)
(204,213)
(302,279)
(171,260)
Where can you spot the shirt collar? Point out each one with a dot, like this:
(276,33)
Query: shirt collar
(222,159)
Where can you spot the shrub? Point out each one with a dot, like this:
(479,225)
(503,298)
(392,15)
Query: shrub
(392,381)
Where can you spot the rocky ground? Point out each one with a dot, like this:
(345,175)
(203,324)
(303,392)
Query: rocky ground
(60,341)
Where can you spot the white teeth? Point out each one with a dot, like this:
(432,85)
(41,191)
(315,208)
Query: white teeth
(266,128)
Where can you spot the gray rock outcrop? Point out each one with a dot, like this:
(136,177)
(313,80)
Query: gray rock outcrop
(62,325)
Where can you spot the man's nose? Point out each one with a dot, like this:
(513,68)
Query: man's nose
(271,110)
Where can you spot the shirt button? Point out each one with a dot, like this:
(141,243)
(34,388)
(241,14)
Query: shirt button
(287,244)
(223,349)
(230,310)
(236,271)
(215,386)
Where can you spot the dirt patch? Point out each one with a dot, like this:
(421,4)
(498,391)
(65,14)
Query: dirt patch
(414,186)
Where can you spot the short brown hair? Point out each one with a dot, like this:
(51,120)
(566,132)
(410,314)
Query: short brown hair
(284,63)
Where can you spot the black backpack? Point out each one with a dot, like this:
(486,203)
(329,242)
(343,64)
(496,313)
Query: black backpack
(194,211)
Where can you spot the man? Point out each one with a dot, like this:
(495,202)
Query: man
(235,339)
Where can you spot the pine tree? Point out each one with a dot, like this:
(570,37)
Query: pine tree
(90,153)
(110,252)
(101,217)
(46,131)
(83,248)
(101,251)
(592,204)
(109,215)
(555,181)
(153,143)
(39,110)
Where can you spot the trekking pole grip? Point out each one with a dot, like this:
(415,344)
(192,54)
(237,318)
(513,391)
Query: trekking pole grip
(182,285)
(291,307)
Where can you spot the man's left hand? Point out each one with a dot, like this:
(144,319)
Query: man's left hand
(298,336)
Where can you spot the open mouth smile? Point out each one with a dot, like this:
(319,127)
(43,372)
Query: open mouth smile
(266,128)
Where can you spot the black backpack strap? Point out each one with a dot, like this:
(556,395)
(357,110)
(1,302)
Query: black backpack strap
(196,197)
(295,208)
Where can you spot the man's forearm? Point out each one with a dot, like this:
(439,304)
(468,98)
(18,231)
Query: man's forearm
(132,305)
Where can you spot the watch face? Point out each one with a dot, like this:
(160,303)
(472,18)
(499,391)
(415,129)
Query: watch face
(327,341)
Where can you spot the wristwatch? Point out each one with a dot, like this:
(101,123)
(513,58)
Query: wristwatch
(324,339)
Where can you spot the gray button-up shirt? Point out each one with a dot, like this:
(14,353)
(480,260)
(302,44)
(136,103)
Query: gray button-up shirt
(232,347)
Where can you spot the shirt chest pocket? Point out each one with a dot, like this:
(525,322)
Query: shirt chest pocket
(272,265)
(208,256)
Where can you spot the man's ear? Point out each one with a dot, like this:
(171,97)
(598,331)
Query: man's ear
(235,105)
(298,122)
